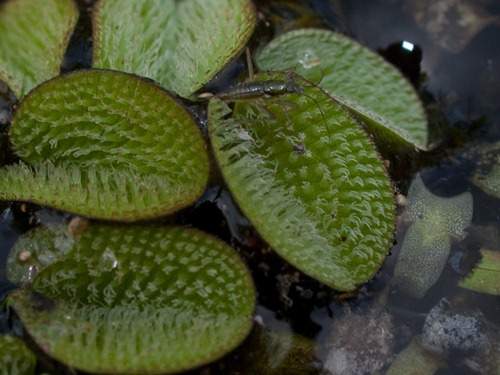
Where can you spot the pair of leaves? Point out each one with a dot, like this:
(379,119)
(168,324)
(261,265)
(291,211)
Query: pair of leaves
(113,166)
(131,299)
(163,43)
(303,170)
(356,77)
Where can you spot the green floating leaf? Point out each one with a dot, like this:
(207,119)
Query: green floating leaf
(34,38)
(105,144)
(357,77)
(485,277)
(180,44)
(487,174)
(15,357)
(310,180)
(139,300)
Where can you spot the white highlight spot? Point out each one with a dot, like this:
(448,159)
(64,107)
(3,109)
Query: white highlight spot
(408,46)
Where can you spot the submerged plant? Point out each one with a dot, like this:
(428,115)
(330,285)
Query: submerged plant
(114,143)
(487,173)
(435,222)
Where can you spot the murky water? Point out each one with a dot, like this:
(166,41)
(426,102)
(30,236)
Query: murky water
(457,73)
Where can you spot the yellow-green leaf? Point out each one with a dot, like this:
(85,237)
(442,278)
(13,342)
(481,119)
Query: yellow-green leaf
(34,37)
(107,145)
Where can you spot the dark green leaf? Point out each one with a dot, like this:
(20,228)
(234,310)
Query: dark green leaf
(34,38)
(143,300)
(310,180)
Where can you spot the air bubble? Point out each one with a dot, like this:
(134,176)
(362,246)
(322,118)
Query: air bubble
(108,260)
(308,59)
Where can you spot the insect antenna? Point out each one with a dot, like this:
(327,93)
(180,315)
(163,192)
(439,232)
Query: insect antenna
(321,112)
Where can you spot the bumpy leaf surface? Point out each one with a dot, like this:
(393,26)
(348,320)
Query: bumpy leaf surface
(15,357)
(310,180)
(180,44)
(357,77)
(34,38)
(138,299)
(105,144)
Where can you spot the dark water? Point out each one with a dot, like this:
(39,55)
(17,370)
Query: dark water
(458,79)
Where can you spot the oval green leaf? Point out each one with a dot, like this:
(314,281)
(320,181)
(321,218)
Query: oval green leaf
(107,145)
(180,44)
(35,35)
(139,300)
(357,77)
(310,180)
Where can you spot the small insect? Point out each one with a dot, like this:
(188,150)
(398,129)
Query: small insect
(262,92)
(261,89)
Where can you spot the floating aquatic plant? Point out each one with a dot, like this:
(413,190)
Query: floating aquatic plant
(132,299)
(105,144)
(184,57)
(358,78)
(117,146)
(426,245)
(311,182)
